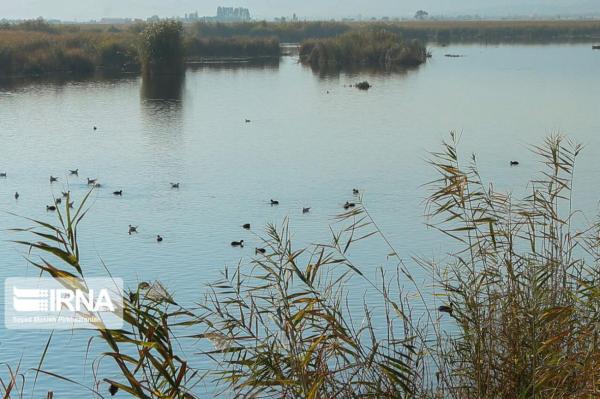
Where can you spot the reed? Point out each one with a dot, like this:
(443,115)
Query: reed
(33,53)
(379,48)
(445,31)
(197,47)
(522,287)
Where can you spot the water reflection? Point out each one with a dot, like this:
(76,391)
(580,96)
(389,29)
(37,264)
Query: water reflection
(227,64)
(352,71)
(59,81)
(164,87)
(162,110)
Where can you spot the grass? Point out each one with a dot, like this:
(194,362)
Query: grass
(518,317)
(378,48)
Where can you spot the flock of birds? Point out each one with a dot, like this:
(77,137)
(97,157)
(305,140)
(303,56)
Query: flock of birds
(90,182)
(134,229)
(240,244)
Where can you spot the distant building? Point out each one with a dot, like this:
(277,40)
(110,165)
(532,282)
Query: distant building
(231,14)
(224,14)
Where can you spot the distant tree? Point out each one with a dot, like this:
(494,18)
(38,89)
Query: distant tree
(162,49)
(421,14)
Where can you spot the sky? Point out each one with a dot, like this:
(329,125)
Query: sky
(82,10)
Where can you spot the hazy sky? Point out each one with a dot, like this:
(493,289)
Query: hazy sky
(94,9)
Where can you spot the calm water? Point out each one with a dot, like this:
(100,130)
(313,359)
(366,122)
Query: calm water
(304,147)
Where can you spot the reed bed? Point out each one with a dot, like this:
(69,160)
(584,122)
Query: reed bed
(26,53)
(35,48)
(518,317)
(379,48)
(197,47)
(503,31)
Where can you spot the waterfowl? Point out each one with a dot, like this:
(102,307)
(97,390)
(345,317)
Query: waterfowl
(248,121)
(355,191)
(74,172)
(514,163)
(58,201)
(91,181)
(2,174)
(65,195)
(260,251)
(132,229)
(237,243)
(97,185)
(16,195)
(445,309)
(305,210)
(246,226)
(349,205)
(174,185)
(53,179)
(273,202)
(120,192)
(95,128)
(50,208)
(159,238)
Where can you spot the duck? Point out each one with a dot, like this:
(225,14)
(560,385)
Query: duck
(174,185)
(273,202)
(246,226)
(445,309)
(16,195)
(120,192)
(66,194)
(132,229)
(74,172)
(514,163)
(159,238)
(237,243)
(91,181)
(2,174)
(95,128)
(97,185)
(248,121)
(260,251)
(53,179)
(305,210)
(50,208)
(355,191)
(349,205)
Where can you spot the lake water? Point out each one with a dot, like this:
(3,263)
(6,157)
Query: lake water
(311,140)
